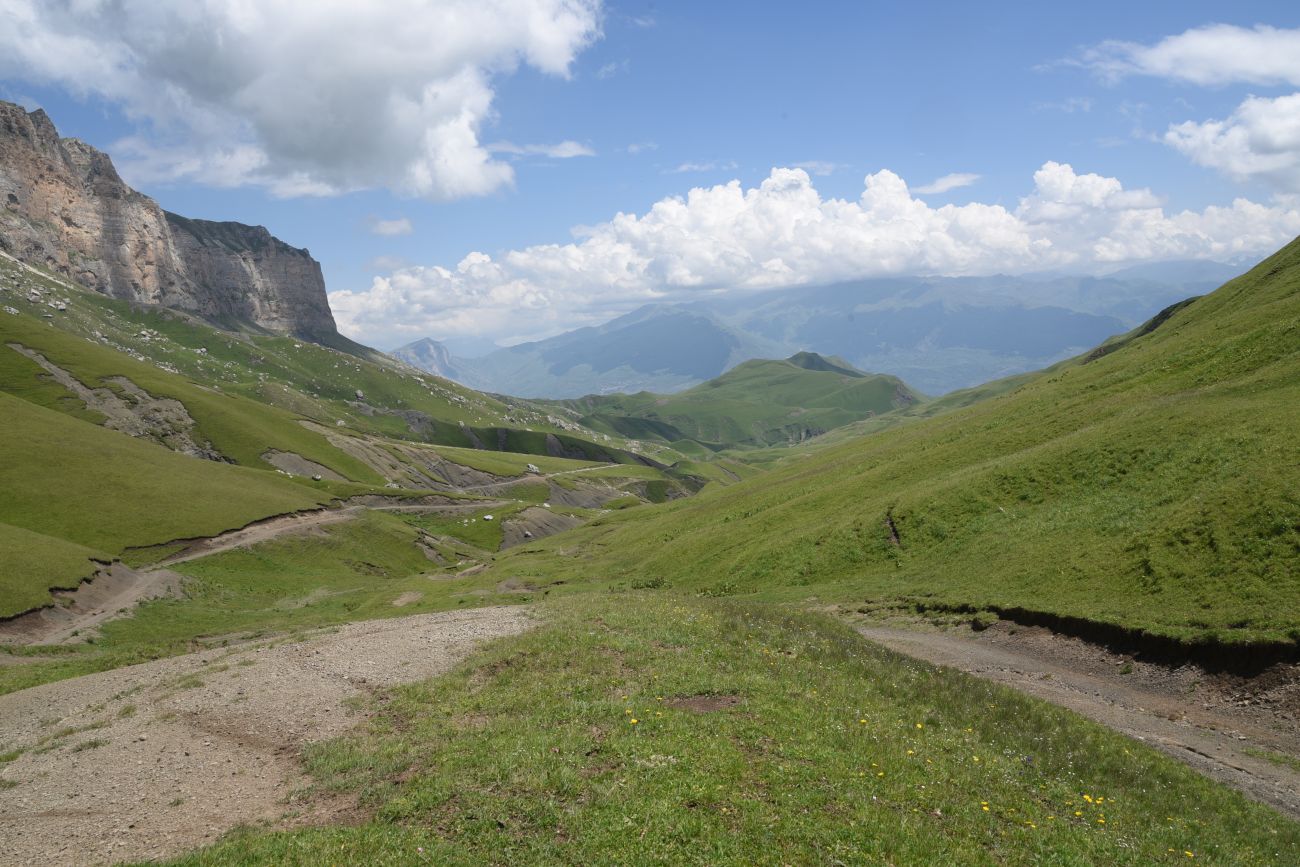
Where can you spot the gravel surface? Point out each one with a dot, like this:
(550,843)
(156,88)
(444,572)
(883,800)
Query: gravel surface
(153,760)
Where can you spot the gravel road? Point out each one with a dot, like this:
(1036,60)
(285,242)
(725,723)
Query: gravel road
(156,759)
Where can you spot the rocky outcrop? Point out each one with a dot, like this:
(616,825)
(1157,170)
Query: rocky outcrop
(63,206)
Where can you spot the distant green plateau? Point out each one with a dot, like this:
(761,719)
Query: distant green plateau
(756,403)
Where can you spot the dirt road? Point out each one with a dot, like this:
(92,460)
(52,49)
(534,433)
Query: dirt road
(116,590)
(1223,727)
(530,477)
(152,760)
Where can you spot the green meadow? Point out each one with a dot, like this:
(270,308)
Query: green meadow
(637,729)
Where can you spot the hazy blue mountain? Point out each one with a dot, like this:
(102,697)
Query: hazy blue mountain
(428,354)
(655,348)
(937,334)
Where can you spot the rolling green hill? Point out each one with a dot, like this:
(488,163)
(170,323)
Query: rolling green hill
(757,403)
(1152,488)
(226,428)
(75,491)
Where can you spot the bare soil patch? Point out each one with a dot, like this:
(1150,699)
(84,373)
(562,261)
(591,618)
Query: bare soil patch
(113,591)
(535,523)
(514,585)
(173,753)
(410,597)
(296,465)
(1239,731)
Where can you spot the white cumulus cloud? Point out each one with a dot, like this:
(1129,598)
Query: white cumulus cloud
(301,96)
(727,238)
(953,181)
(1213,55)
(1259,141)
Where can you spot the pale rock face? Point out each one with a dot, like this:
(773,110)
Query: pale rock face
(63,206)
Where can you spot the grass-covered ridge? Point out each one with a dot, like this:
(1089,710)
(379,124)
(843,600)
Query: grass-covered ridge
(756,403)
(1155,488)
(656,730)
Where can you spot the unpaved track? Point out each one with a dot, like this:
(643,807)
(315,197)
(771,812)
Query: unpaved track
(190,747)
(1173,711)
(530,477)
(302,522)
(115,591)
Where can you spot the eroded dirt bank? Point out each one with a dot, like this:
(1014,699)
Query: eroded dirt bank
(1239,731)
(149,761)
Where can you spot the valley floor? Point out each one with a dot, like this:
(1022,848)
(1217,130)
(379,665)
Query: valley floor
(152,760)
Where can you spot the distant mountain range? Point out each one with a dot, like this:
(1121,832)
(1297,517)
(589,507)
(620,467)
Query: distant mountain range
(662,348)
(937,334)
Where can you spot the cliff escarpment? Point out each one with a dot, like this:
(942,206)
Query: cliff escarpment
(64,206)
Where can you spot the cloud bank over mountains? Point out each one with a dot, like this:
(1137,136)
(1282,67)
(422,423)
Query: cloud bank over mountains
(784,233)
(303,97)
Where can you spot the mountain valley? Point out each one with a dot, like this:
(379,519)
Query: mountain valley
(628,594)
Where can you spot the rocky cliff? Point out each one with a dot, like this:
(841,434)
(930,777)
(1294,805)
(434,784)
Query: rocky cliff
(63,205)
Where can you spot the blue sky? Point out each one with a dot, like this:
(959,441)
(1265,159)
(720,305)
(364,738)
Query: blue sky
(667,97)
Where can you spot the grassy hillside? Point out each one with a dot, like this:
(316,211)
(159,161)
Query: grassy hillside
(756,403)
(240,428)
(75,490)
(280,378)
(1153,487)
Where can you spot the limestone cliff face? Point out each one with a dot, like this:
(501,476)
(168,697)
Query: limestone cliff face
(63,205)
